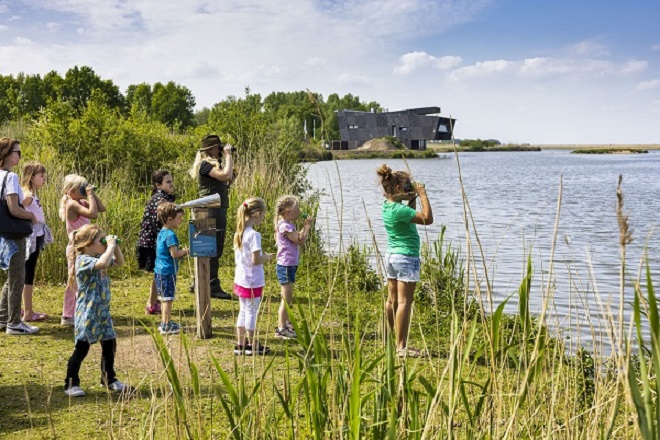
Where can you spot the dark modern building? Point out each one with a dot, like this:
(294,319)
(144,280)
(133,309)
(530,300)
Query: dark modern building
(413,127)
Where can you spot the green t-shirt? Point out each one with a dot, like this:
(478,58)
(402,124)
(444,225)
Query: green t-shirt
(402,236)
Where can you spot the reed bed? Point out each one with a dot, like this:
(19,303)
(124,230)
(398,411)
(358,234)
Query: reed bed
(490,375)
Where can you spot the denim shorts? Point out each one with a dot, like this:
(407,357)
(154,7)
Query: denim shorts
(402,267)
(286,274)
(165,286)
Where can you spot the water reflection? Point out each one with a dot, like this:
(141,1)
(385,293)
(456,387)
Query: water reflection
(512,197)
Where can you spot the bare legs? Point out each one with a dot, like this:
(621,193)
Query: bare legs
(166,311)
(153,294)
(28,289)
(397,309)
(287,295)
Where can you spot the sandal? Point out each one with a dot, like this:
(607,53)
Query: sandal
(411,353)
(36,316)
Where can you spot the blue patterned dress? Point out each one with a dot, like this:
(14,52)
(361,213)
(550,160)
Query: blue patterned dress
(93,322)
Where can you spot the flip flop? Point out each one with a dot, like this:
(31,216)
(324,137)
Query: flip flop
(36,316)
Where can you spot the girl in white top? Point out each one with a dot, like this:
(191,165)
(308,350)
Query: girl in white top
(33,178)
(249,279)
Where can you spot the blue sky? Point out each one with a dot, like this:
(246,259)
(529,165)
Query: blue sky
(542,72)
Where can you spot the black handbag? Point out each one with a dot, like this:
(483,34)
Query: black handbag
(11,227)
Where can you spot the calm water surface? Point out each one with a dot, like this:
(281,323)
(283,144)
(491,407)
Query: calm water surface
(513,198)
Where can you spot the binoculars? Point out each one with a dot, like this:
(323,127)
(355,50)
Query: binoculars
(104,241)
(83,188)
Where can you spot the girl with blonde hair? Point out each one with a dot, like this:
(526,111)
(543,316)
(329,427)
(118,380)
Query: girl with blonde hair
(249,279)
(33,179)
(289,240)
(214,177)
(78,206)
(93,322)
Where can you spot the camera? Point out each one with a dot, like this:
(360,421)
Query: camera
(83,188)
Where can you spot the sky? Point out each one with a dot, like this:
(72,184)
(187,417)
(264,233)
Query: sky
(532,71)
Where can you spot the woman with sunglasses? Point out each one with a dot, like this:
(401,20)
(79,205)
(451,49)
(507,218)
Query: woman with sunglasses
(12,252)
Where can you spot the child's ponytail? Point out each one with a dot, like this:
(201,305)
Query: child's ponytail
(247,209)
(284,203)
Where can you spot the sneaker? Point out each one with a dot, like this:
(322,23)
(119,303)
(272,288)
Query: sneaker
(21,329)
(239,349)
(171,328)
(74,391)
(68,321)
(258,349)
(118,386)
(285,333)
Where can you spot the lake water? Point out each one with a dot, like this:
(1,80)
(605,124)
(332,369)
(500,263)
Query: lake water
(513,198)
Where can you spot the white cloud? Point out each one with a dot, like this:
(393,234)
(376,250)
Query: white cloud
(412,61)
(482,69)
(587,49)
(634,66)
(349,78)
(15,18)
(3,28)
(655,47)
(22,41)
(647,85)
(316,61)
(51,26)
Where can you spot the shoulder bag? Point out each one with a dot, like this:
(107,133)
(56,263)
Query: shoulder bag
(11,227)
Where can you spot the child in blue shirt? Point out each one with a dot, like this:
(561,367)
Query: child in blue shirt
(167,252)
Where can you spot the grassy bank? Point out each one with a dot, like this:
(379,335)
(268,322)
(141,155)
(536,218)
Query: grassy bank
(384,154)
(489,375)
(609,151)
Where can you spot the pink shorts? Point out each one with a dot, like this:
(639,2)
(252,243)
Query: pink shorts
(248,292)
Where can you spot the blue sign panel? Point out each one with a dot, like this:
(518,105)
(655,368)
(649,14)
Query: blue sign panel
(201,236)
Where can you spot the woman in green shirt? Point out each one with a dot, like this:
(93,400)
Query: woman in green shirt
(402,264)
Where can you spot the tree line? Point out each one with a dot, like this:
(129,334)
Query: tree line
(29,97)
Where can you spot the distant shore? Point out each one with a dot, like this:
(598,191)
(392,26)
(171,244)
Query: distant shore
(603,146)
(535,147)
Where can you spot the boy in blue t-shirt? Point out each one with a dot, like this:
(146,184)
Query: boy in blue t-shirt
(167,252)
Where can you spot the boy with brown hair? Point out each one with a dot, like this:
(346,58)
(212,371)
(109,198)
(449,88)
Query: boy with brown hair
(167,253)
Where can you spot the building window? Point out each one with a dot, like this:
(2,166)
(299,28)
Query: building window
(443,129)
(403,128)
(352,126)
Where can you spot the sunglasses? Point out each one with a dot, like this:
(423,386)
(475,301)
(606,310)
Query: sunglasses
(20,155)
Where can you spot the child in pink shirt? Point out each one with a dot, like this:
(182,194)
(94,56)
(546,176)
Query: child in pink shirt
(288,252)
(79,205)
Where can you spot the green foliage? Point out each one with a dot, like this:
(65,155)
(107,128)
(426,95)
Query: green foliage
(478,144)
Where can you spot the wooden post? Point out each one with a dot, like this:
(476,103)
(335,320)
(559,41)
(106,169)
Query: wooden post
(202,286)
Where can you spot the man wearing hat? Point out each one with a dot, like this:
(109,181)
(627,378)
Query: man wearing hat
(213,177)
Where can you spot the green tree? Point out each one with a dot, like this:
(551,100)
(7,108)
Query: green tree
(139,97)
(80,83)
(173,105)
(243,120)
